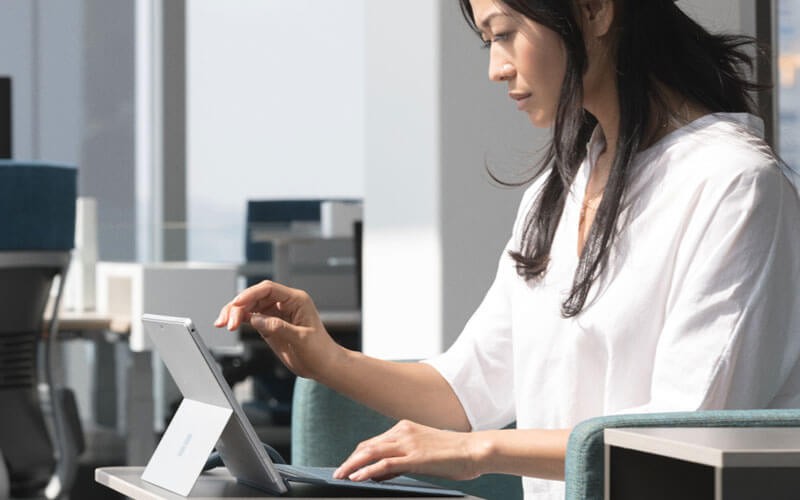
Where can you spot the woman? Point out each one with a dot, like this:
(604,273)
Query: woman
(652,265)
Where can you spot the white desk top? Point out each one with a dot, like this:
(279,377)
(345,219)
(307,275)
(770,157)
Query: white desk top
(214,484)
(93,321)
(714,446)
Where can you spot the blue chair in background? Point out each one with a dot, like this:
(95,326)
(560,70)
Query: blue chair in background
(40,433)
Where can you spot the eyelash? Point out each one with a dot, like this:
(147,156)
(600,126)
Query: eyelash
(497,38)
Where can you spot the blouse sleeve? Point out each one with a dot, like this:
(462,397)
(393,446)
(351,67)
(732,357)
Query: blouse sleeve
(479,366)
(732,333)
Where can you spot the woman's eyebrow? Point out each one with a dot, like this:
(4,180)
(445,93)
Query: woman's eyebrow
(484,24)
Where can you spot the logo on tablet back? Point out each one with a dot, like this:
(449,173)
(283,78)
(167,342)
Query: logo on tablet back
(184,444)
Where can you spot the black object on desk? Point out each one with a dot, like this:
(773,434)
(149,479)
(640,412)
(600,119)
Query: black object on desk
(6,118)
(699,463)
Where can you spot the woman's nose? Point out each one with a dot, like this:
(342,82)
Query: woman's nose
(501,72)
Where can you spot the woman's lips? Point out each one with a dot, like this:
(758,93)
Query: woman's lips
(520,97)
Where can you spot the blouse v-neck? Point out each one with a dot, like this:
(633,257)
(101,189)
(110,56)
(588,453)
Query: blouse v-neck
(594,149)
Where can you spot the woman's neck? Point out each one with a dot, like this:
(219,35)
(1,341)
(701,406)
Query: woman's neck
(605,108)
(670,112)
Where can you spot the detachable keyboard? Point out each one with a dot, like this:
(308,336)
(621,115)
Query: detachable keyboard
(324,475)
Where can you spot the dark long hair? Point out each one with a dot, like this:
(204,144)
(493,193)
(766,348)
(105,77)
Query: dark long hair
(656,43)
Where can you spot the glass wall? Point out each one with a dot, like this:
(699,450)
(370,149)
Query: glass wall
(788,19)
(275,95)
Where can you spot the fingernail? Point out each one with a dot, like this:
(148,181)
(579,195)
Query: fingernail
(218,321)
(230,324)
(337,474)
(355,476)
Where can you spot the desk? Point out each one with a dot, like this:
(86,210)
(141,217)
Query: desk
(214,484)
(91,323)
(722,463)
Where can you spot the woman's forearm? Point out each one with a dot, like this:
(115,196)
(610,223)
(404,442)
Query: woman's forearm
(413,391)
(288,321)
(523,452)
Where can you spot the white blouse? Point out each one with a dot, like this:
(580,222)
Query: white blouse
(698,307)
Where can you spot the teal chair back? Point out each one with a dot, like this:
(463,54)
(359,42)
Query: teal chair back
(326,427)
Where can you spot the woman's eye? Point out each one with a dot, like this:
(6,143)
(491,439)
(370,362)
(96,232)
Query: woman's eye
(496,38)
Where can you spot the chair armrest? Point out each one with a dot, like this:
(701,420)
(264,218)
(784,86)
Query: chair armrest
(584,470)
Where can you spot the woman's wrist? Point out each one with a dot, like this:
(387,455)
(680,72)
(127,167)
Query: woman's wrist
(333,366)
(481,451)
(528,452)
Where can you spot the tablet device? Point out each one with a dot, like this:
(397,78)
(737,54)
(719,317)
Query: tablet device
(200,380)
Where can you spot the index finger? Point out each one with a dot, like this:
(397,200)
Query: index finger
(365,454)
(266,292)
(358,465)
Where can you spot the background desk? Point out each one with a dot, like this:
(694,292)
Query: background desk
(88,323)
(211,485)
(689,463)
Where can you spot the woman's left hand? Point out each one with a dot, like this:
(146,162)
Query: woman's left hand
(409,447)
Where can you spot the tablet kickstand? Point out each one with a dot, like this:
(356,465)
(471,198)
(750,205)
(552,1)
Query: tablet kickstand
(183,450)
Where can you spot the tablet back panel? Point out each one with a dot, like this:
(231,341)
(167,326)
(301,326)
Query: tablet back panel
(199,378)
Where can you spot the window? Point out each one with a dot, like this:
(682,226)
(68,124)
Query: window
(788,87)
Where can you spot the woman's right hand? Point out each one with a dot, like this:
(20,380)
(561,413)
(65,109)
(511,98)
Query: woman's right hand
(287,319)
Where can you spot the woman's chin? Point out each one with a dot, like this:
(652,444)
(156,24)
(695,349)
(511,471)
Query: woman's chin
(540,120)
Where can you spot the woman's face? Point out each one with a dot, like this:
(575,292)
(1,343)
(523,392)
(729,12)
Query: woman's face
(529,57)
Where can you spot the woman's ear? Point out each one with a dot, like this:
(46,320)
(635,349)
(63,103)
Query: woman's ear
(597,16)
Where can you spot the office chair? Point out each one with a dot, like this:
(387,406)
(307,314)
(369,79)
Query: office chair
(40,435)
